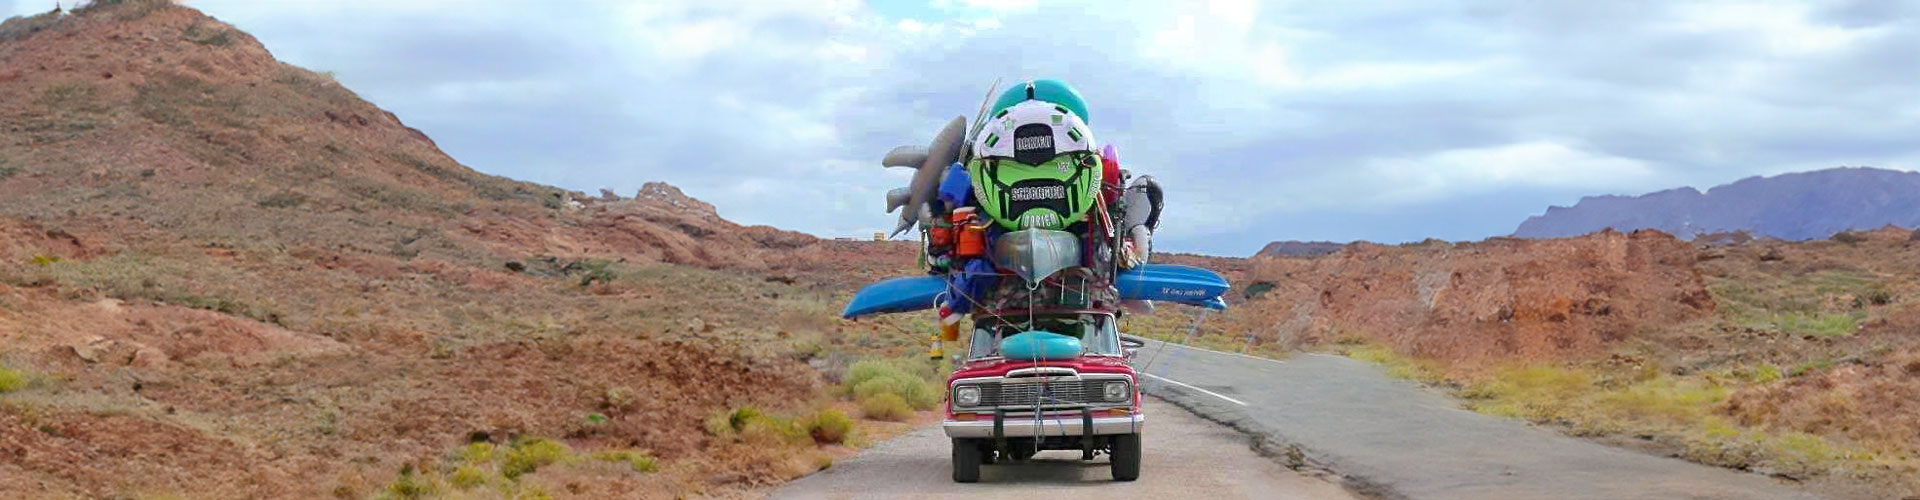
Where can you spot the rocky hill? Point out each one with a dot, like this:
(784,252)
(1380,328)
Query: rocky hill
(1292,248)
(1796,206)
(228,277)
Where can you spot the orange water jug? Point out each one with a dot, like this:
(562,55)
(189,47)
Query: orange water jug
(972,241)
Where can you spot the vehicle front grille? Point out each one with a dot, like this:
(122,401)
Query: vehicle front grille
(1027,393)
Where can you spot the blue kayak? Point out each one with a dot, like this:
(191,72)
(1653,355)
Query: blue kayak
(1182,284)
(1035,345)
(1186,272)
(895,295)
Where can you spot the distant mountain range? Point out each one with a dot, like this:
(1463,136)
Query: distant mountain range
(1796,206)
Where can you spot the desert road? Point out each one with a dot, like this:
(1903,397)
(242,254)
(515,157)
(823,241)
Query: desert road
(1186,457)
(1383,437)
(1393,439)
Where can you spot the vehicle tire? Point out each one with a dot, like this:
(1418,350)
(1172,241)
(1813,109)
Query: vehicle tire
(966,461)
(1126,457)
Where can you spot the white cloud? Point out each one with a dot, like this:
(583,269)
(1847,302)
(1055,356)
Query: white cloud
(1247,110)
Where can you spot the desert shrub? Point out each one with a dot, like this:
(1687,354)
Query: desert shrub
(467,477)
(21,26)
(72,95)
(8,170)
(11,380)
(125,10)
(476,453)
(592,270)
(208,35)
(1257,289)
(528,455)
(282,200)
(869,378)
(1848,237)
(828,426)
(767,430)
(739,417)
(886,406)
(409,486)
(640,462)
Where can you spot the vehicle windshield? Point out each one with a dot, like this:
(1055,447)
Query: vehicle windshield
(1097,332)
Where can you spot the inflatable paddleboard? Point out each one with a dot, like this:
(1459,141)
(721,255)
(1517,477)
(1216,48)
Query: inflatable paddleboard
(895,295)
(1037,345)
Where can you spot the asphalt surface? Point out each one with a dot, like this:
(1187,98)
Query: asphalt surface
(1393,439)
(1186,457)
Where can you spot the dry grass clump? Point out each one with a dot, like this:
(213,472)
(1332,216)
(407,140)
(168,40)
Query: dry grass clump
(1395,364)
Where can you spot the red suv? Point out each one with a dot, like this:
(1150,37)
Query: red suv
(1002,410)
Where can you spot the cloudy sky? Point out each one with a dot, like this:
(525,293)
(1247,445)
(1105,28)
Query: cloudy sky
(1382,121)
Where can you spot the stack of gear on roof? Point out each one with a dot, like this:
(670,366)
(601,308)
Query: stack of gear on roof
(1027,211)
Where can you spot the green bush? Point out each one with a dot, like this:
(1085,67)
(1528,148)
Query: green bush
(531,454)
(869,378)
(11,380)
(829,426)
(467,477)
(409,485)
(477,453)
(886,406)
(768,430)
(738,419)
(639,461)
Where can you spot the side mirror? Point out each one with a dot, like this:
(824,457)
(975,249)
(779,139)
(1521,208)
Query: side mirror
(1130,352)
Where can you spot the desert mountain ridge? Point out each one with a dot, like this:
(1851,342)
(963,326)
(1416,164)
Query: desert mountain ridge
(1792,206)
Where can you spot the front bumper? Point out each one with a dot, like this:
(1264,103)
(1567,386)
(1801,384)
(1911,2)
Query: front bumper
(1026,426)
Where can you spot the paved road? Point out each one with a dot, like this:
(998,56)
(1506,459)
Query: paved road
(1186,457)
(1396,440)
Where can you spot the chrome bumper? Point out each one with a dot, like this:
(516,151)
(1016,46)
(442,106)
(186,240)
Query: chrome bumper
(1026,426)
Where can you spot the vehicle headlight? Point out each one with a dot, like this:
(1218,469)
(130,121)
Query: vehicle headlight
(1116,391)
(966,395)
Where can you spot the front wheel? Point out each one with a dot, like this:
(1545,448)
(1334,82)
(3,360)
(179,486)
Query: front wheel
(966,461)
(1126,457)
